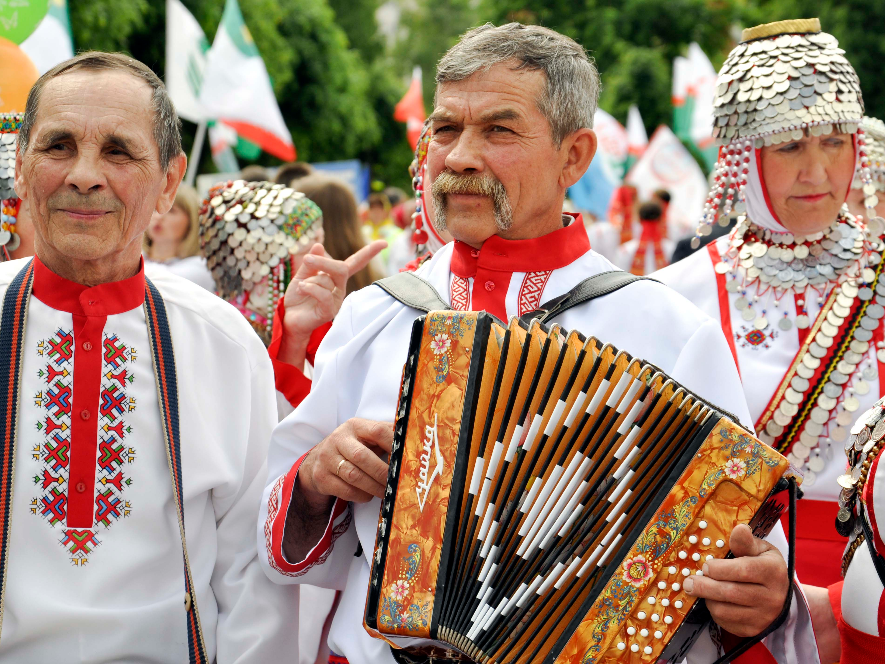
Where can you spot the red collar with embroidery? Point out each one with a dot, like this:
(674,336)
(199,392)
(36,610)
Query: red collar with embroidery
(107,299)
(546,253)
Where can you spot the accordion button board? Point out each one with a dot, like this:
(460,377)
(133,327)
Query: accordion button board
(548,495)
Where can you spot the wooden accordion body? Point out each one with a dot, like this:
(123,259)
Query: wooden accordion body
(548,495)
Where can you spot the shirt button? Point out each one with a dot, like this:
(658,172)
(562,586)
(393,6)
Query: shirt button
(490,285)
(84,414)
(87,345)
(81,487)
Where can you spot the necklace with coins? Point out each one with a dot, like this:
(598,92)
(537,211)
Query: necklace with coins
(842,264)
(863,446)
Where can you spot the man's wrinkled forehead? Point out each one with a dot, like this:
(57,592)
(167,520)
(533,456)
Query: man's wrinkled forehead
(99,106)
(497,94)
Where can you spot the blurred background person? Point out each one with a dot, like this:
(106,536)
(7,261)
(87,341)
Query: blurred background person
(623,211)
(662,197)
(254,173)
(293,171)
(172,240)
(648,252)
(343,235)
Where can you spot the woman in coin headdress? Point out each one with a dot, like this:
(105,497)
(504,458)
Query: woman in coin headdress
(796,285)
(874,135)
(16,234)
(254,236)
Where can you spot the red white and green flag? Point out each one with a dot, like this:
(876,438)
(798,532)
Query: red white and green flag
(694,90)
(237,91)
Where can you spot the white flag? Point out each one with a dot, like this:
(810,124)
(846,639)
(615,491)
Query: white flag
(702,86)
(186,47)
(236,87)
(667,164)
(637,139)
(51,41)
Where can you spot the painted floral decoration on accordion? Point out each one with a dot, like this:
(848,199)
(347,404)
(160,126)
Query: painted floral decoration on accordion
(395,613)
(746,457)
(445,328)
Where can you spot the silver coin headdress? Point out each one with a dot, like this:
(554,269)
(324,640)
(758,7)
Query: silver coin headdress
(10,123)
(782,79)
(874,145)
(248,233)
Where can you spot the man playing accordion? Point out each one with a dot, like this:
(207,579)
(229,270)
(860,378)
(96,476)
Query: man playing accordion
(511,131)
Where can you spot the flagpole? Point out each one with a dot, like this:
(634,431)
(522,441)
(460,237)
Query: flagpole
(194,161)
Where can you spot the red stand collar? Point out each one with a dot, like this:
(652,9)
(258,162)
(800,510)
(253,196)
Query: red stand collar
(108,299)
(541,254)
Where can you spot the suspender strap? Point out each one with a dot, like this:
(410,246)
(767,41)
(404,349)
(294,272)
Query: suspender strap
(167,391)
(413,291)
(12,332)
(878,561)
(589,289)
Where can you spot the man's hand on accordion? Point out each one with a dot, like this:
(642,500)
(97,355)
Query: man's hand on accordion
(348,464)
(747,593)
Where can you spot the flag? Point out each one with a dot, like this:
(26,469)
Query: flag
(637,139)
(186,47)
(221,138)
(667,164)
(51,42)
(237,90)
(694,91)
(595,188)
(410,109)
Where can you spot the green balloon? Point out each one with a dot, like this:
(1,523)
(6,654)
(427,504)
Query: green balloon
(19,18)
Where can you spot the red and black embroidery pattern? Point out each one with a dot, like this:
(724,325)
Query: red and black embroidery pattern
(53,453)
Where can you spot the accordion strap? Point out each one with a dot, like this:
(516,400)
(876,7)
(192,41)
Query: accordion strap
(878,560)
(415,292)
(589,289)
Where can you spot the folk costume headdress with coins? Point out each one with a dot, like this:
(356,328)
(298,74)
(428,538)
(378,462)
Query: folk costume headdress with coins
(425,236)
(784,81)
(10,204)
(874,139)
(249,234)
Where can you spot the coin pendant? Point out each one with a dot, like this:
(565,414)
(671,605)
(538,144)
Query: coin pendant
(802,322)
(748,314)
(816,463)
(880,355)
(761,323)
(851,404)
(785,324)
(879,430)
(844,418)
(839,434)
(861,387)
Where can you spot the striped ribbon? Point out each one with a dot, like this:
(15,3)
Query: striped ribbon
(12,332)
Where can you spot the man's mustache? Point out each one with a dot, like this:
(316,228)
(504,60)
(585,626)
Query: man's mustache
(475,183)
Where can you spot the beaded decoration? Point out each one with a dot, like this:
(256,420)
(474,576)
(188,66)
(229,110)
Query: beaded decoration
(10,123)
(874,138)
(417,171)
(782,79)
(249,232)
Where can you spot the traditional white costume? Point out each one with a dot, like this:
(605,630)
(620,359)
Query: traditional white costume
(358,372)
(798,312)
(92,559)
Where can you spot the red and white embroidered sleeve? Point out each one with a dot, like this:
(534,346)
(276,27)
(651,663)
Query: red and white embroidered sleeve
(274,526)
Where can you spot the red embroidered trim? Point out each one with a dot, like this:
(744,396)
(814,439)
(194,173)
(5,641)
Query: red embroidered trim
(274,526)
(724,311)
(531,290)
(460,294)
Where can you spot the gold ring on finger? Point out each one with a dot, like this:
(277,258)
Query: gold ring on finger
(338,469)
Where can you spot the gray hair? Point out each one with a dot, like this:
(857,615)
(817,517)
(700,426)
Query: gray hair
(571,95)
(167,126)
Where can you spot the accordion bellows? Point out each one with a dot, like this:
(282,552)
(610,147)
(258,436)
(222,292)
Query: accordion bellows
(548,495)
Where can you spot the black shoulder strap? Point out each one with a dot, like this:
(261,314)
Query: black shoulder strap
(878,561)
(589,289)
(413,291)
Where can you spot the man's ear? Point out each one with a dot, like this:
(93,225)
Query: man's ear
(578,149)
(173,177)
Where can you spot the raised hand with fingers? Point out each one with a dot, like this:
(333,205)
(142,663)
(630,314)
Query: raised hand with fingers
(315,294)
(744,594)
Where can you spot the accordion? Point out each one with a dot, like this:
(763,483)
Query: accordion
(548,495)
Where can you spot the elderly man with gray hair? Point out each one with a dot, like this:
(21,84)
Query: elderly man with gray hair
(136,409)
(512,130)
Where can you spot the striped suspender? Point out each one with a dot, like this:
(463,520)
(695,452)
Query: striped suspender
(167,391)
(12,331)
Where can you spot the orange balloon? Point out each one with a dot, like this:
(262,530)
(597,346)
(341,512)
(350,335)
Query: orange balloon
(17,75)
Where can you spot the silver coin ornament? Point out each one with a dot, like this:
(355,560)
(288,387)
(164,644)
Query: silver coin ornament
(10,123)
(247,229)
